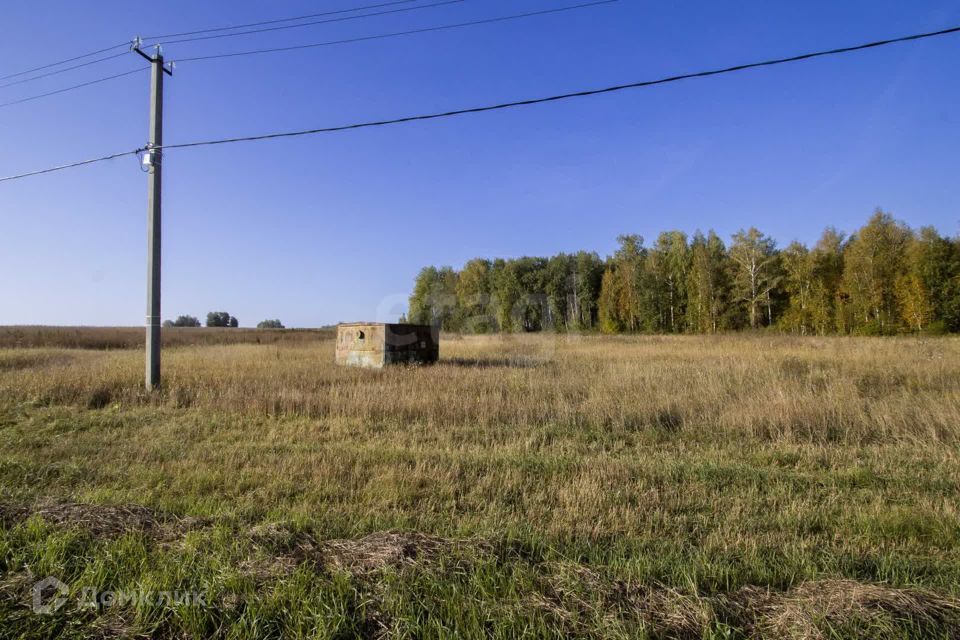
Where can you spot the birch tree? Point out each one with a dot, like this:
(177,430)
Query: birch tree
(755,259)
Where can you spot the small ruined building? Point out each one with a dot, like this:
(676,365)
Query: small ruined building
(376,344)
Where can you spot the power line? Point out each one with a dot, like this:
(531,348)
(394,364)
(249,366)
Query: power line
(188,33)
(576,94)
(57,64)
(276,21)
(76,86)
(316,22)
(217,29)
(519,103)
(297,47)
(71,165)
(394,34)
(64,70)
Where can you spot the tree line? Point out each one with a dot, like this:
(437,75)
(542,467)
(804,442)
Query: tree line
(885,278)
(219,319)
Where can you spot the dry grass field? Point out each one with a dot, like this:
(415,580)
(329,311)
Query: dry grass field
(19,337)
(526,486)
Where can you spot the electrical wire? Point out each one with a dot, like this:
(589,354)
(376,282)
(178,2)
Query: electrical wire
(307,46)
(394,34)
(277,21)
(576,94)
(73,164)
(76,86)
(519,103)
(211,30)
(57,64)
(64,70)
(316,22)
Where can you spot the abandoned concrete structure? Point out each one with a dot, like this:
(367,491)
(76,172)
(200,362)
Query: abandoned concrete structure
(376,344)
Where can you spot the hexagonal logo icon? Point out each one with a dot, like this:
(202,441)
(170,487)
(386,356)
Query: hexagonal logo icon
(49,595)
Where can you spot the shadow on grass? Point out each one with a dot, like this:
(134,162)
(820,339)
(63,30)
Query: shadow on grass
(494,363)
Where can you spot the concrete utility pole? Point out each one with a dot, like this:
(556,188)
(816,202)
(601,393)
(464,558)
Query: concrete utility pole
(153,160)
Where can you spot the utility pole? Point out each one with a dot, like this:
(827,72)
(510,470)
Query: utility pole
(153,160)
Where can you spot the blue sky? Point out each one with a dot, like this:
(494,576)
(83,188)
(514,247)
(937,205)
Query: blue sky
(320,229)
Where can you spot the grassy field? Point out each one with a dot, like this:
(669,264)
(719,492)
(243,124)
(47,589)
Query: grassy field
(527,486)
(19,337)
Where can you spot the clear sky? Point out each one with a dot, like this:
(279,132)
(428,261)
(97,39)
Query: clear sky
(320,229)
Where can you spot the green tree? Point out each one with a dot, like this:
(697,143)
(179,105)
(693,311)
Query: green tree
(708,286)
(270,324)
(420,305)
(473,297)
(951,294)
(531,310)
(932,261)
(798,279)
(756,272)
(221,319)
(434,298)
(557,282)
(609,315)
(669,261)
(184,321)
(627,275)
(827,306)
(507,292)
(446,296)
(586,276)
(923,290)
(874,261)
(913,298)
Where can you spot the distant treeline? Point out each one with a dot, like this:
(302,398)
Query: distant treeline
(886,278)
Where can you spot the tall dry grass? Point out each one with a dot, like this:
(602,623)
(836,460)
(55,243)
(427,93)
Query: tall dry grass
(771,388)
(26,337)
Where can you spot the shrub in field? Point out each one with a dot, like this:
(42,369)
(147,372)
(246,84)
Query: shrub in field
(221,319)
(183,321)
